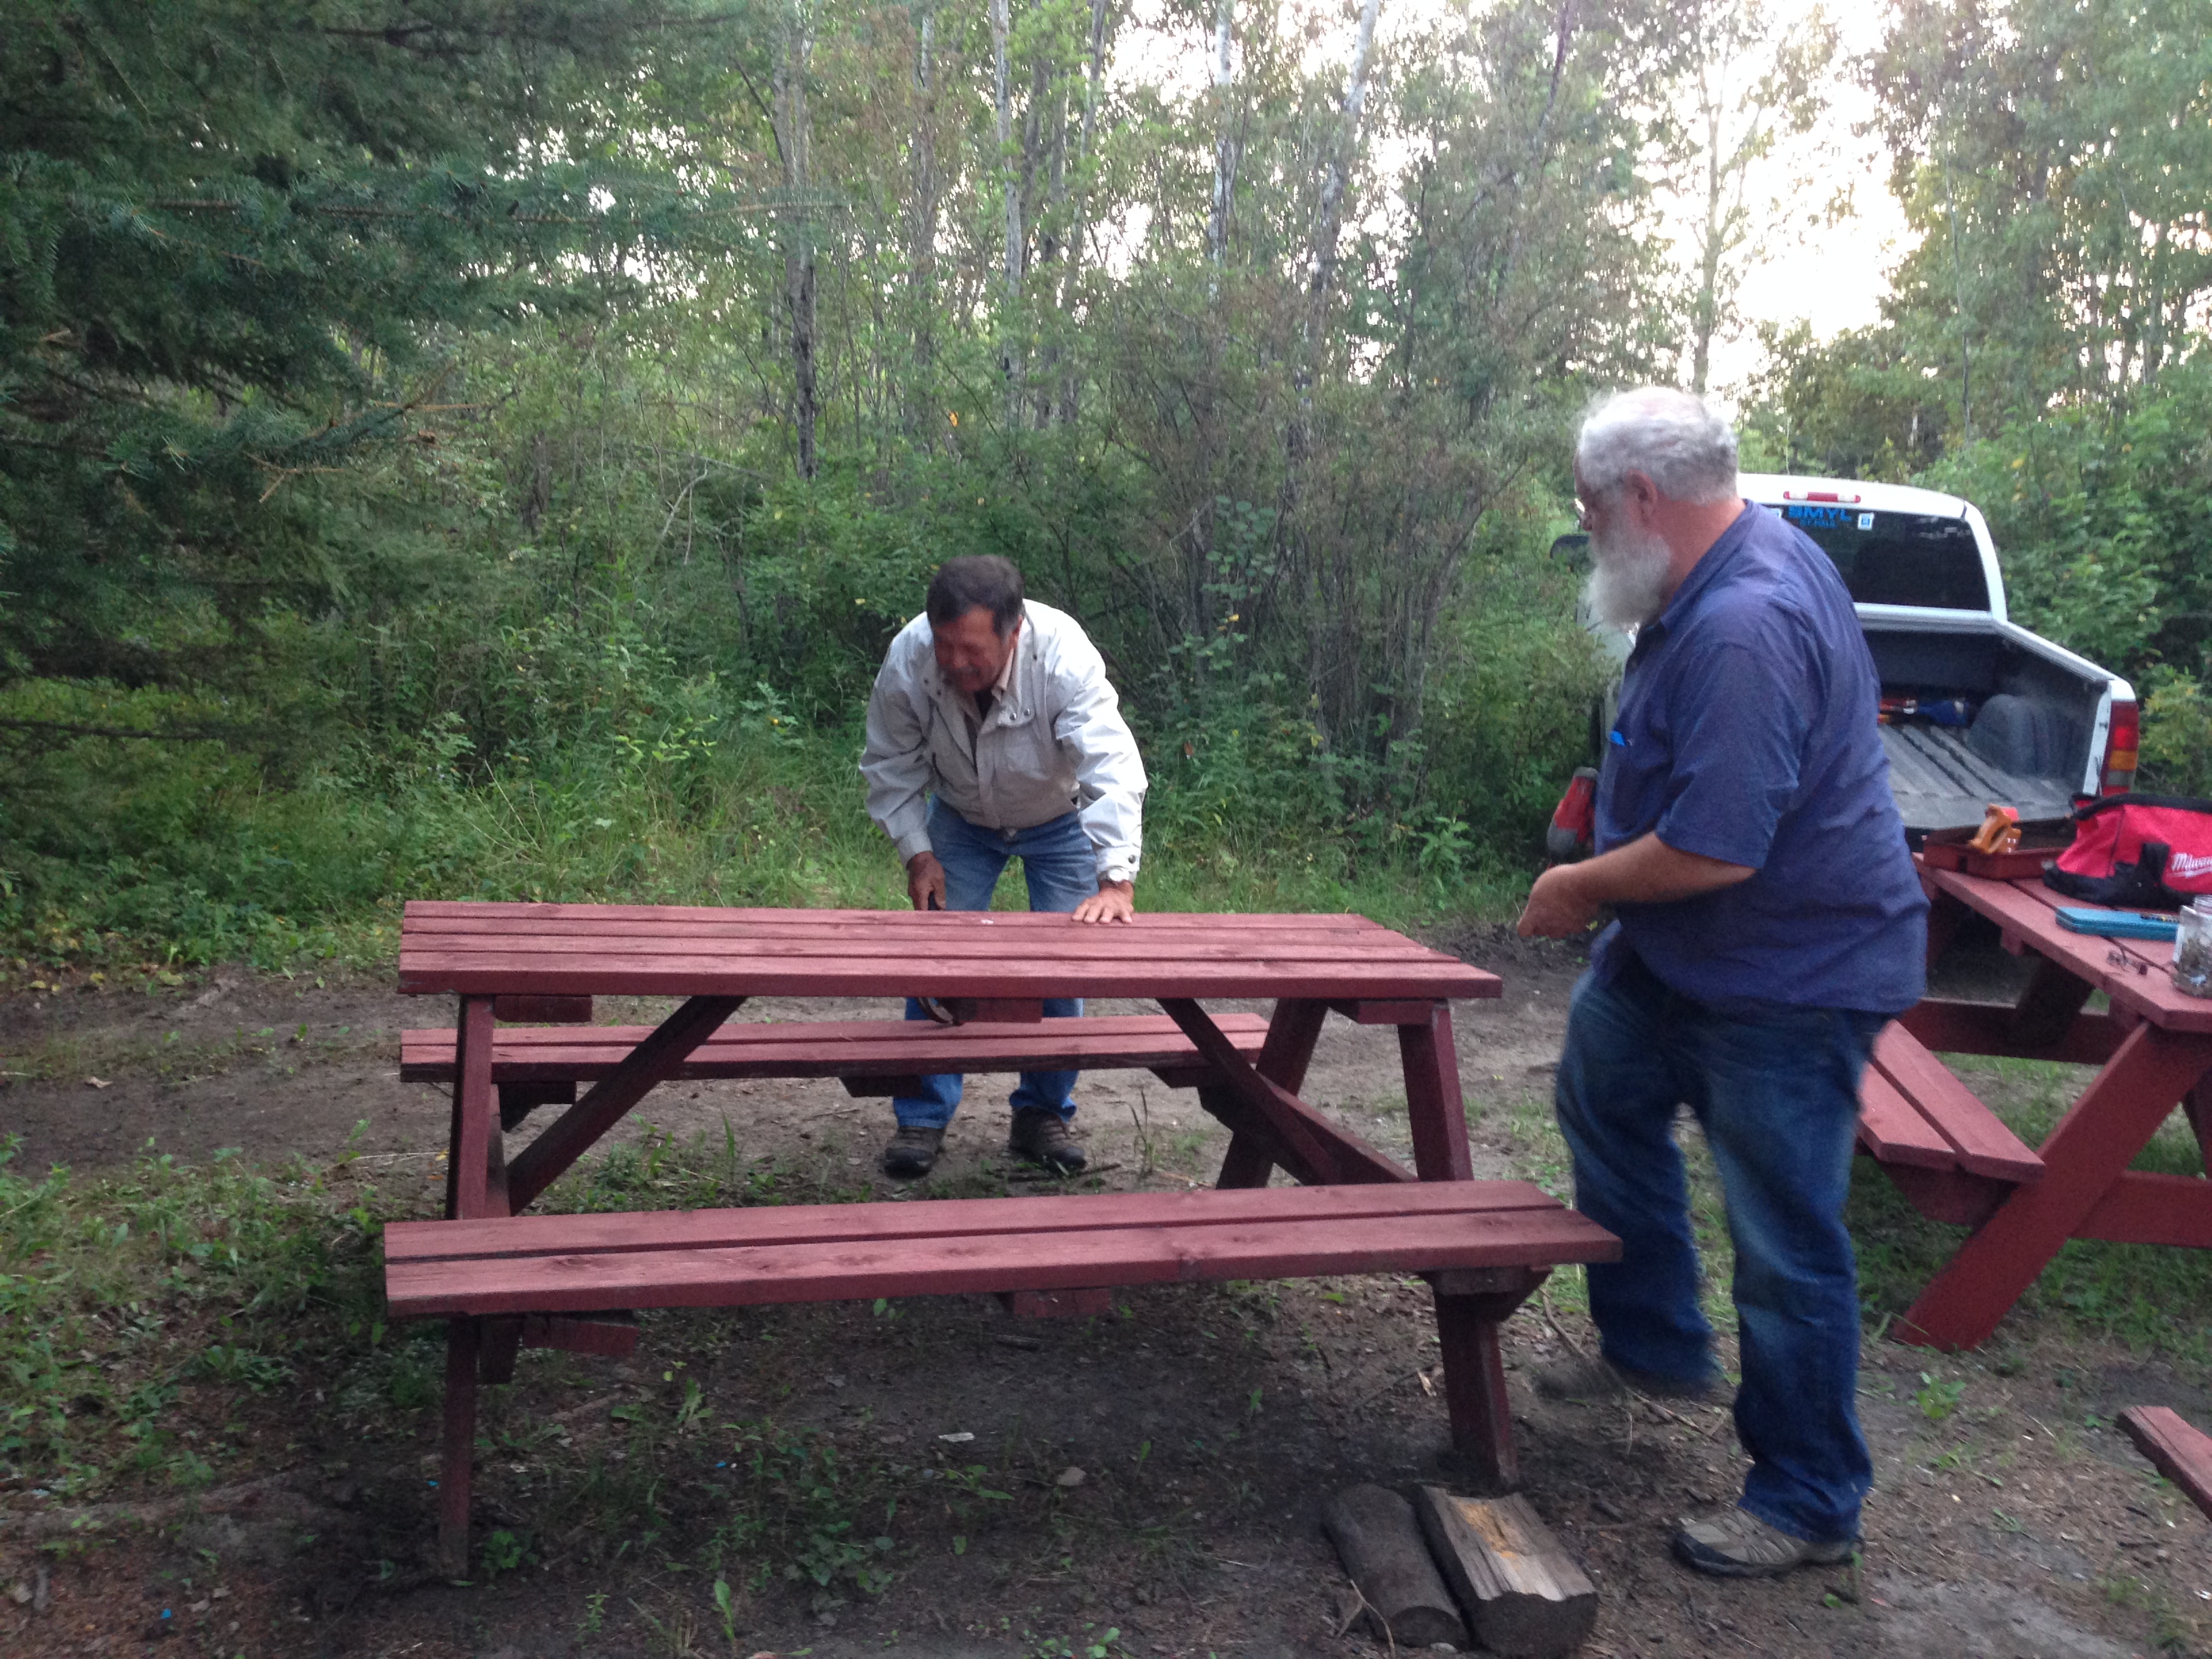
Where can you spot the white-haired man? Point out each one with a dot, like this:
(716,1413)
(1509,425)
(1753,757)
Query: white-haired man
(1768,923)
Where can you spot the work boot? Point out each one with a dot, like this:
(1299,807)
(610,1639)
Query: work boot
(912,1153)
(1737,1544)
(1591,1378)
(1043,1138)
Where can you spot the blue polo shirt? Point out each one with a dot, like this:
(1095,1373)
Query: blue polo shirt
(1747,734)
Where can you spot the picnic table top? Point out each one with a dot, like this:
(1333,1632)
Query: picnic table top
(615,950)
(2133,973)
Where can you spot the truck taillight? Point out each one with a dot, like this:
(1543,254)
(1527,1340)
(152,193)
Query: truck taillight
(2120,745)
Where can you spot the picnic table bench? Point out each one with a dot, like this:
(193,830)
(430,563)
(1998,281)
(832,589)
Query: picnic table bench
(1956,1161)
(502,1279)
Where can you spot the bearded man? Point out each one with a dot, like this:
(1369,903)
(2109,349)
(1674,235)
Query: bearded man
(1768,923)
(994,734)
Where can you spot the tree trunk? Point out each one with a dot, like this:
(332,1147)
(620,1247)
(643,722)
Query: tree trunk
(921,239)
(1079,230)
(1225,146)
(1008,357)
(798,276)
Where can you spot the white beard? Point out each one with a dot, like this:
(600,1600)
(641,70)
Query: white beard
(1628,585)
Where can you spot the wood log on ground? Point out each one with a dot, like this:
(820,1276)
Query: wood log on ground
(1381,1545)
(1522,1592)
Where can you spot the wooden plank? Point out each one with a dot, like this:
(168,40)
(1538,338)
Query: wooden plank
(1436,1111)
(1329,1151)
(422,912)
(839,1048)
(1523,1594)
(1985,1145)
(1951,1027)
(1895,1133)
(2092,1145)
(2029,910)
(617,974)
(543,1011)
(571,1135)
(844,1271)
(468,1145)
(2145,1207)
(1292,1030)
(2177,1450)
(948,1218)
(1383,1553)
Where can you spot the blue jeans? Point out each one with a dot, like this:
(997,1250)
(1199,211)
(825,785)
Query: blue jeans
(1061,870)
(1777,1097)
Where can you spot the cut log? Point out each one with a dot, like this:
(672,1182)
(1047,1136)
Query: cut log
(1522,1592)
(1380,1543)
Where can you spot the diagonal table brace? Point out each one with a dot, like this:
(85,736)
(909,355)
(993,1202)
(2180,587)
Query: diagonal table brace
(1329,1152)
(653,1061)
(2084,1159)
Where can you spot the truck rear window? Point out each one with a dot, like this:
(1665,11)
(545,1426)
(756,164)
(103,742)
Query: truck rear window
(1897,558)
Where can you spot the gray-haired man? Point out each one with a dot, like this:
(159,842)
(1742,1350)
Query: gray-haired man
(1769,922)
(994,734)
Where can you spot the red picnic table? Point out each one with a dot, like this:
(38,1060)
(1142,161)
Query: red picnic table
(2152,1046)
(504,1279)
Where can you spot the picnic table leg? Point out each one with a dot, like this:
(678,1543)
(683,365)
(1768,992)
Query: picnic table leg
(468,1151)
(2093,1143)
(1434,1105)
(455,1467)
(1292,1031)
(1474,1383)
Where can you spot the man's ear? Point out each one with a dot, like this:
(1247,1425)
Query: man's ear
(1640,494)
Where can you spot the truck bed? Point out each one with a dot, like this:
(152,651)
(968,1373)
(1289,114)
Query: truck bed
(1940,784)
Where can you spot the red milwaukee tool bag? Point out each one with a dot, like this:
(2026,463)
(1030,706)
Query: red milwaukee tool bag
(2146,851)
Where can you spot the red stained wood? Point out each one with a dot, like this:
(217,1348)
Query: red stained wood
(421,1241)
(1313,1147)
(652,1062)
(1436,1111)
(614,974)
(2181,1453)
(2084,1155)
(2029,911)
(1985,1146)
(880,1047)
(1950,1027)
(543,1011)
(1951,1195)
(1894,1132)
(581,950)
(468,1145)
(846,1271)
(2145,1207)
(466,912)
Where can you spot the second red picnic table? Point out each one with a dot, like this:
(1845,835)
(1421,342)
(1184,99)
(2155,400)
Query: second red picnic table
(2152,1046)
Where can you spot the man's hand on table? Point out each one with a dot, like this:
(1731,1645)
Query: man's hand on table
(925,881)
(1114,901)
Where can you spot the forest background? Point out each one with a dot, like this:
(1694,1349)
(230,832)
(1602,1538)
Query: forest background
(482,447)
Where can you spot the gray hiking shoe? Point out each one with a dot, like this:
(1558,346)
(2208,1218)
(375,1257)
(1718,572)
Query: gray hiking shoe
(1043,1138)
(1737,1544)
(1589,1378)
(912,1152)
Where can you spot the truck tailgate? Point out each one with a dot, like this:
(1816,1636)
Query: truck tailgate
(1940,784)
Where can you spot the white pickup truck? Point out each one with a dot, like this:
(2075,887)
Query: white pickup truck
(1976,709)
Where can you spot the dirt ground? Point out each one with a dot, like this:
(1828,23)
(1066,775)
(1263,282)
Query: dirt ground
(1146,1484)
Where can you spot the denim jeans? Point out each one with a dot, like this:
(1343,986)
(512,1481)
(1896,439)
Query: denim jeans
(1061,870)
(1777,1097)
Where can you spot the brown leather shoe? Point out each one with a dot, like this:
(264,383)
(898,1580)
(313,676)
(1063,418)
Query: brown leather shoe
(912,1153)
(1043,1138)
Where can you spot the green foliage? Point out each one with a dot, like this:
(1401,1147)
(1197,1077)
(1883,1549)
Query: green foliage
(117,1295)
(2177,739)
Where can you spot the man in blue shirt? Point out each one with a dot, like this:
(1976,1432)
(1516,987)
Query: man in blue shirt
(1769,921)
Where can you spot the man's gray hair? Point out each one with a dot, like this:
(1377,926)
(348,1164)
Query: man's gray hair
(1670,436)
